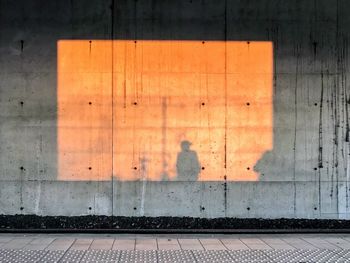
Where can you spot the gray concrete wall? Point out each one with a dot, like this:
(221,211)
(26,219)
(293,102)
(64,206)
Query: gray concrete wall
(305,175)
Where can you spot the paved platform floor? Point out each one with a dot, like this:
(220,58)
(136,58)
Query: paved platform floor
(298,248)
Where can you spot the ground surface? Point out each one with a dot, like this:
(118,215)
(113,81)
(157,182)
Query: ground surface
(174,248)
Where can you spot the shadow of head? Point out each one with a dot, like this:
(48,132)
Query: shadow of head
(187,163)
(185,146)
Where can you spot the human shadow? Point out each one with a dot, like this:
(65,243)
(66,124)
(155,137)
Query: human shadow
(187,163)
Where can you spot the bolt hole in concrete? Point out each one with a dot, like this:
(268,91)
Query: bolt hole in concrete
(21,208)
(22,45)
(90,207)
(248,208)
(174,74)
(90,168)
(22,103)
(22,168)
(135,208)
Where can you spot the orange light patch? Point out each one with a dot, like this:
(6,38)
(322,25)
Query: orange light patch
(125,108)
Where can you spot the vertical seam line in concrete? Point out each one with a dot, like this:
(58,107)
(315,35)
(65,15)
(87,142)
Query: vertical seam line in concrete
(112,94)
(225,149)
(295,127)
(320,147)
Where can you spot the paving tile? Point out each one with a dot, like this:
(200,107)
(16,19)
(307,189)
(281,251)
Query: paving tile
(146,244)
(60,244)
(5,239)
(102,244)
(190,244)
(38,243)
(168,244)
(298,243)
(212,244)
(234,244)
(124,244)
(277,243)
(340,242)
(320,243)
(81,244)
(17,243)
(255,243)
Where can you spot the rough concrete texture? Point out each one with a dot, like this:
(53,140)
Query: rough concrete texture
(305,175)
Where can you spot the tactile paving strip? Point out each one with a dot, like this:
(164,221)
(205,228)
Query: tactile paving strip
(177,256)
(52,256)
(307,256)
(20,256)
(139,256)
(249,256)
(100,256)
(212,256)
(73,256)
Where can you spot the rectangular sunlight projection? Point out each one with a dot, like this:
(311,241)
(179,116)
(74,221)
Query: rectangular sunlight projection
(163,110)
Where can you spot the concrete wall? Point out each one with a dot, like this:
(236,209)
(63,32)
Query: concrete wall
(306,173)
